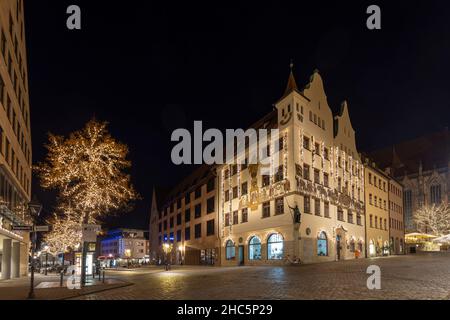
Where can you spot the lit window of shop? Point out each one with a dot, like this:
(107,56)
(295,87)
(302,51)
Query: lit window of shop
(322,244)
(254,249)
(230,250)
(275,247)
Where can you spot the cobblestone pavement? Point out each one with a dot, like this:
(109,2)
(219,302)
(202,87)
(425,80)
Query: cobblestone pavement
(422,276)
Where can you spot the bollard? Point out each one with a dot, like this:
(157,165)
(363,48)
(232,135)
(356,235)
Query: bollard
(104,276)
(61,279)
(99,275)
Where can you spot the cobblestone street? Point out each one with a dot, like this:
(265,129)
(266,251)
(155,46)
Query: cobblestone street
(423,276)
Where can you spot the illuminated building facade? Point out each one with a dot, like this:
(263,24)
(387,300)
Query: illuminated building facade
(15,141)
(320,175)
(185,220)
(124,246)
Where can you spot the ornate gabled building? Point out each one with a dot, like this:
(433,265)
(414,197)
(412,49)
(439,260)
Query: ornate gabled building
(310,207)
(422,166)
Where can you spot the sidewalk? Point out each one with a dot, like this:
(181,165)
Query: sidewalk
(47,288)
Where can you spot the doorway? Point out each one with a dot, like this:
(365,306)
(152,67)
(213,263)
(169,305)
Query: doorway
(241,255)
(338,247)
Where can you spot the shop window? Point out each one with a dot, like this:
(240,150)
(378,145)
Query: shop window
(230,250)
(254,249)
(322,244)
(275,247)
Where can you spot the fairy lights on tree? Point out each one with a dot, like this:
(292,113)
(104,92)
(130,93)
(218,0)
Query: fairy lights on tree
(433,219)
(87,170)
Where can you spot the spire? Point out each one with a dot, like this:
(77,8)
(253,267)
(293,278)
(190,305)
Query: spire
(396,162)
(292,84)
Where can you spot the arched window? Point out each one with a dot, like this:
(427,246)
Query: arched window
(230,250)
(275,247)
(322,244)
(254,249)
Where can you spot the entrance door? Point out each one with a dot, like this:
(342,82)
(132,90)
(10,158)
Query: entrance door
(241,255)
(338,247)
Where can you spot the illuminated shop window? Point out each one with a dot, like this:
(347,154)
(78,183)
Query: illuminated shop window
(230,250)
(275,247)
(254,249)
(322,244)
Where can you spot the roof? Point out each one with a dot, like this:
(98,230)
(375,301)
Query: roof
(431,151)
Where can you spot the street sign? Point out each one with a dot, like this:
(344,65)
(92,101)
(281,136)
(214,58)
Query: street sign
(41,229)
(22,228)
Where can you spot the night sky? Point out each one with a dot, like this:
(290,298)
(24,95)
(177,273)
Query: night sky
(149,68)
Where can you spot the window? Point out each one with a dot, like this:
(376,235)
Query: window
(178,219)
(254,249)
(198,192)
(350,216)
(198,211)
(227,220)
(339,184)
(275,247)
(376,222)
(171,223)
(230,250)
(198,231)
(244,188)
(326,154)
(210,228)
(370,178)
(306,143)
(187,234)
(234,169)
(358,219)
(210,185)
(187,198)
(279,174)
(265,180)
(316,176)
(235,217)
(325,180)
(244,218)
(317,207)
(235,192)
(307,204)
(371,221)
(370,198)
(210,205)
(322,245)
(340,214)
(279,206)
(179,203)
(187,215)
(160,227)
(266,209)
(326,207)
(178,235)
(227,195)
(317,149)
(435,194)
(306,172)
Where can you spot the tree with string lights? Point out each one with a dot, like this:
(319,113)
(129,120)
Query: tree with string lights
(87,170)
(433,219)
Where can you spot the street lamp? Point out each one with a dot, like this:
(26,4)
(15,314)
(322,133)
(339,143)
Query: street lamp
(35,210)
(46,258)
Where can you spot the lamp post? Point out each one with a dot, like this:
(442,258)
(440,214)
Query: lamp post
(35,210)
(46,259)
